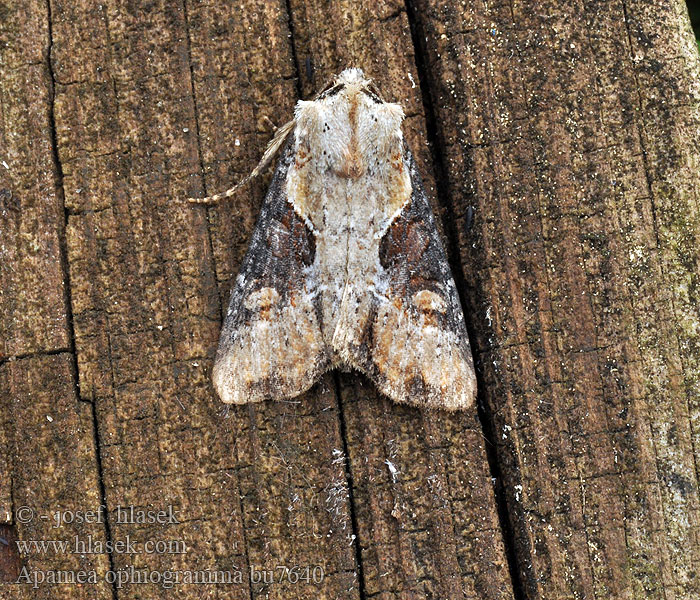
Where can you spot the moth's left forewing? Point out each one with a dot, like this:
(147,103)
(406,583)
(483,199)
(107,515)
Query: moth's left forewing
(419,345)
(271,346)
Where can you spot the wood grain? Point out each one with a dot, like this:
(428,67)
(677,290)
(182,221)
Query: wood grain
(558,145)
(576,126)
(48,456)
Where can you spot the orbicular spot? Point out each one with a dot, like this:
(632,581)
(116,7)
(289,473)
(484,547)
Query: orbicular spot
(262,301)
(429,302)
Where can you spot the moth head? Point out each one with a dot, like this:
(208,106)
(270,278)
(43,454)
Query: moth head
(351,81)
(348,128)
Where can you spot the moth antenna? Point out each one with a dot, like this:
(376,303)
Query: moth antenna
(271,151)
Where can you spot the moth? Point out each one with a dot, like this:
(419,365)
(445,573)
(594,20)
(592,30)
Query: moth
(345,268)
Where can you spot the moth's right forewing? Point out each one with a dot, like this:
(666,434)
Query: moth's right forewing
(419,348)
(271,346)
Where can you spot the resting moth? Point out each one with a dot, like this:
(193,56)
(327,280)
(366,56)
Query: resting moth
(345,268)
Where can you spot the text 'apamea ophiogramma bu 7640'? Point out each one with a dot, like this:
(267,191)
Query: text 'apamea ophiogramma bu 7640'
(345,268)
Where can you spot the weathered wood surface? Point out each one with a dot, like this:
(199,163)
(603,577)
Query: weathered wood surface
(569,132)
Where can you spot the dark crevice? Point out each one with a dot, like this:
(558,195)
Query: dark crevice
(34,354)
(351,487)
(293,47)
(435,143)
(60,193)
(63,245)
(103,494)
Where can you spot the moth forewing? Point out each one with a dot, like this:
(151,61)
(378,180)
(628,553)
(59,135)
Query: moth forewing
(271,346)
